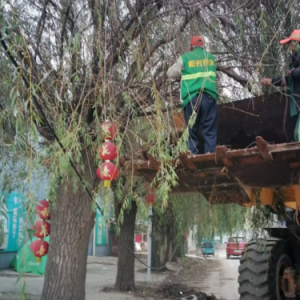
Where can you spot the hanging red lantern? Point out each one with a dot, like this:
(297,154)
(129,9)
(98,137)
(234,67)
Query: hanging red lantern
(43,210)
(98,172)
(109,130)
(108,172)
(108,151)
(150,196)
(39,248)
(42,229)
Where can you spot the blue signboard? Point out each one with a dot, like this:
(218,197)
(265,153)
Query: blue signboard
(13,223)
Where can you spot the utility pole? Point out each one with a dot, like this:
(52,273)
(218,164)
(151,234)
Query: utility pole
(149,242)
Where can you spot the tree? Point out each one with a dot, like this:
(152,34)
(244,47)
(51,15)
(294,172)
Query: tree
(166,235)
(125,274)
(126,206)
(207,220)
(86,61)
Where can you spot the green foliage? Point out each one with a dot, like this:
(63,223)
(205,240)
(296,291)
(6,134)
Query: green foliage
(125,191)
(206,220)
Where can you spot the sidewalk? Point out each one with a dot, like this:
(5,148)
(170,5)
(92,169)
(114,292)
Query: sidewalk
(101,272)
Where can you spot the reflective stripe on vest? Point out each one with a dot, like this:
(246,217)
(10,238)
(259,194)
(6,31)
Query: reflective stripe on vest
(198,75)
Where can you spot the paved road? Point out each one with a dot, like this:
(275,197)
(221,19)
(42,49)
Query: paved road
(222,279)
(219,278)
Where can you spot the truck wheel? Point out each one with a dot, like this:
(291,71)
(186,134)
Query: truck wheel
(261,268)
(227,256)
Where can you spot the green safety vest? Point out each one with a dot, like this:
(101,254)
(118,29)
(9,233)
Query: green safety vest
(198,75)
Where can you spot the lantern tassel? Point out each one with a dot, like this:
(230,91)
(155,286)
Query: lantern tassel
(38,259)
(107,183)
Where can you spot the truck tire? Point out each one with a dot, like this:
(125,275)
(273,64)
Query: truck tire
(261,267)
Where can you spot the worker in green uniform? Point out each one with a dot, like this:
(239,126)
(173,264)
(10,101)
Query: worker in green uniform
(291,79)
(197,69)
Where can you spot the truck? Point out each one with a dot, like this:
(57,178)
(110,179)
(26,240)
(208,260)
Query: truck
(256,162)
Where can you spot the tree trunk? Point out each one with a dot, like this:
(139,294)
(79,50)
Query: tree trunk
(155,251)
(169,251)
(175,250)
(158,245)
(155,243)
(125,274)
(72,220)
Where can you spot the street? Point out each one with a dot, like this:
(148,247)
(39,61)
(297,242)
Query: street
(221,280)
(212,275)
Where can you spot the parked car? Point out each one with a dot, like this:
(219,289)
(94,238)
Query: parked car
(235,246)
(208,248)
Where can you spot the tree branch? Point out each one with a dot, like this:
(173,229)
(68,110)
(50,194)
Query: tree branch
(63,32)
(230,73)
(171,37)
(41,24)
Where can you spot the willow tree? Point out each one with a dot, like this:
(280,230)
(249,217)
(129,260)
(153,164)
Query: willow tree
(90,60)
(206,220)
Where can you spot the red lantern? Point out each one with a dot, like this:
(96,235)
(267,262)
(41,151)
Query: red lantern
(108,151)
(109,130)
(42,229)
(98,172)
(43,210)
(39,248)
(108,172)
(150,197)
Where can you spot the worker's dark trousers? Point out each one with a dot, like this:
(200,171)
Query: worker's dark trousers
(206,121)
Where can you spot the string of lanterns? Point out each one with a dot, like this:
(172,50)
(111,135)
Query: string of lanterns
(108,152)
(107,172)
(42,229)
